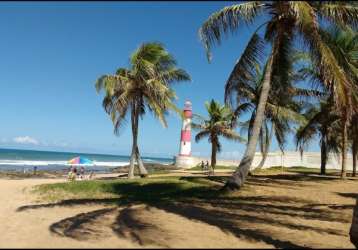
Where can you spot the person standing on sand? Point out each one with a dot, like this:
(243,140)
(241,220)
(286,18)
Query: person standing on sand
(207,165)
(74,172)
(202,165)
(82,172)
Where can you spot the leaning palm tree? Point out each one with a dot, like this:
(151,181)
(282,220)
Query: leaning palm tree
(145,85)
(219,123)
(285,21)
(282,110)
(324,122)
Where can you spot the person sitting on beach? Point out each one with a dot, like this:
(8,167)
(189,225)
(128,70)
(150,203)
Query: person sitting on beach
(82,173)
(71,176)
(74,173)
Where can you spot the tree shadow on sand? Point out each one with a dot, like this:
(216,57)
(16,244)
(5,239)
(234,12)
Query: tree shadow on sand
(204,203)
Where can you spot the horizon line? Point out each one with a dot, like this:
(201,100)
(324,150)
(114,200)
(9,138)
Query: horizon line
(104,154)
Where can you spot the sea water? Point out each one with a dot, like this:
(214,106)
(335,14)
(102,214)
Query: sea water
(26,160)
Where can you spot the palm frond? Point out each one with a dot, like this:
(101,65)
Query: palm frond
(202,134)
(244,69)
(227,21)
(341,13)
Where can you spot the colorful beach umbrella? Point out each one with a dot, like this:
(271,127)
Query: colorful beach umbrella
(80,160)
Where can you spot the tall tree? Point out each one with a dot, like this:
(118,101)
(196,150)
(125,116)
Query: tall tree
(324,122)
(219,123)
(344,45)
(282,110)
(285,21)
(144,85)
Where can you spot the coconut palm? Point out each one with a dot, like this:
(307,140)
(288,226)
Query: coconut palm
(324,122)
(219,123)
(344,44)
(282,109)
(285,21)
(145,85)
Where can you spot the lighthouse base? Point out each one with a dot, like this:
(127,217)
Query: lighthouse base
(183,161)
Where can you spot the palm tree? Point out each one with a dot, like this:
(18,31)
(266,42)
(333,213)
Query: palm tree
(219,123)
(285,22)
(282,109)
(344,44)
(324,122)
(145,85)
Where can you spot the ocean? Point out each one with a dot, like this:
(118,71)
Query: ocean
(26,160)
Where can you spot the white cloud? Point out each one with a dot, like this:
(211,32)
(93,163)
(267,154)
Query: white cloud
(4,140)
(61,144)
(26,140)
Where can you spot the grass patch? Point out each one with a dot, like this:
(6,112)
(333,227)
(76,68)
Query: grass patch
(147,189)
(298,169)
(198,167)
(152,168)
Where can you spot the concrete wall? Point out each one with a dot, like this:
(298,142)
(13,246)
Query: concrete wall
(288,159)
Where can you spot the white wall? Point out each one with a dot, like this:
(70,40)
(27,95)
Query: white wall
(287,159)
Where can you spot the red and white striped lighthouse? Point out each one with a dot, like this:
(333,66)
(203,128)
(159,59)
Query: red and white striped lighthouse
(185,138)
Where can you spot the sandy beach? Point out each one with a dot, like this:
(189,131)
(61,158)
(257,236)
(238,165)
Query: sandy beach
(30,228)
(287,219)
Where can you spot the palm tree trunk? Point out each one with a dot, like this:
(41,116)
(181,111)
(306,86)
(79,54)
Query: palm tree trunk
(213,155)
(353,233)
(236,181)
(142,170)
(135,150)
(134,144)
(131,164)
(354,157)
(323,157)
(266,150)
(344,146)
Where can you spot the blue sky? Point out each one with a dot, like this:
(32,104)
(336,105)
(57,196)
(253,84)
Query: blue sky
(52,53)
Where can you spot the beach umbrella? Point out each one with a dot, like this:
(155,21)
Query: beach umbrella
(80,161)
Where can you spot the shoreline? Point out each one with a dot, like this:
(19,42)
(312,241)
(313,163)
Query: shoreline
(152,168)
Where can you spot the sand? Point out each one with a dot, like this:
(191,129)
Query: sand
(271,213)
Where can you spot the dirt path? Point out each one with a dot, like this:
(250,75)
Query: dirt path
(99,226)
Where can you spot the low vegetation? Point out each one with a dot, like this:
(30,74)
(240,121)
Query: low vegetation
(148,189)
(21,175)
(198,167)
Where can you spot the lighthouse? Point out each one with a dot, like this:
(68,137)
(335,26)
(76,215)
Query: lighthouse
(185,137)
(184,159)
